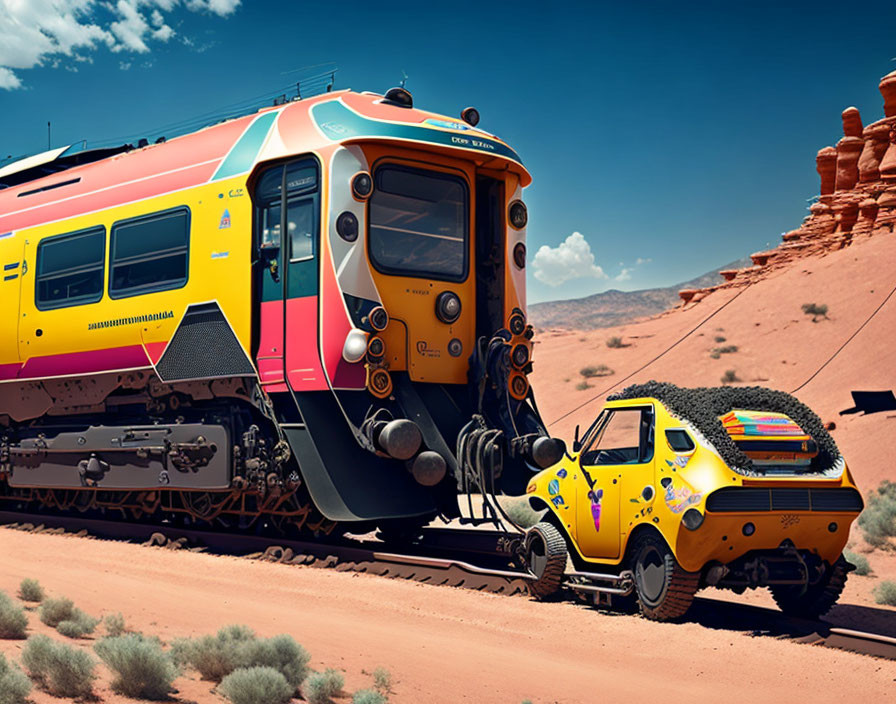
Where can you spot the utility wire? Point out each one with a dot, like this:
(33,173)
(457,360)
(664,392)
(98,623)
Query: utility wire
(661,354)
(848,340)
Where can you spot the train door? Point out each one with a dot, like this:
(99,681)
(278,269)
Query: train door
(617,462)
(287,224)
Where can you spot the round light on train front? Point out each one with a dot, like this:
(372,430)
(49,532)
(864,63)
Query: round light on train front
(519,386)
(378,318)
(519,216)
(455,348)
(355,346)
(447,307)
(376,348)
(380,383)
(362,185)
(347,226)
(519,255)
(748,529)
(519,356)
(517,324)
(470,116)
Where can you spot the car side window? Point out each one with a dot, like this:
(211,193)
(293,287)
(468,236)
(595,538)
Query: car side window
(626,437)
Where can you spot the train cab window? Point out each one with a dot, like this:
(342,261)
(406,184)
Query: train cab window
(70,269)
(149,253)
(419,223)
(624,437)
(301,188)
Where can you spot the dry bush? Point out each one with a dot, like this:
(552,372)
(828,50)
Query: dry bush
(115,625)
(14,684)
(582,385)
(62,670)
(321,687)
(382,678)
(885,593)
(861,563)
(592,371)
(55,611)
(78,626)
(142,669)
(719,339)
(368,696)
(615,342)
(730,376)
(236,647)
(13,620)
(256,685)
(30,590)
(878,520)
(816,310)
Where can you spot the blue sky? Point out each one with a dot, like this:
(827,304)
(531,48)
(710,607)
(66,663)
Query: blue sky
(672,138)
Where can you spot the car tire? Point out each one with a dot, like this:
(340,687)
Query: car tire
(813,600)
(546,556)
(664,589)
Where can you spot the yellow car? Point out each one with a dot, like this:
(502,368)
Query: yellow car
(674,489)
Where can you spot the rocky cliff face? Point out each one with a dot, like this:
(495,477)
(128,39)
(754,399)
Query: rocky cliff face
(857,197)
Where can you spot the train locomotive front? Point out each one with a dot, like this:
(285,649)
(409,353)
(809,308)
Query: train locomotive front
(314,315)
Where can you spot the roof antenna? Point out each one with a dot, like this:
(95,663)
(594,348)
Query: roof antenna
(48,136)
(404,78)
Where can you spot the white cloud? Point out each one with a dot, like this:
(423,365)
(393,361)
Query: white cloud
(639,261)
(44,32)
(571,259)
(623,275)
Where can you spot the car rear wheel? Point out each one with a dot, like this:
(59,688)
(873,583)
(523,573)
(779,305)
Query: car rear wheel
(813,600)
(664,589)
(546,558)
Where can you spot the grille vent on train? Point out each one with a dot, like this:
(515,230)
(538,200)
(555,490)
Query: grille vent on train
(203,347)
(748,499)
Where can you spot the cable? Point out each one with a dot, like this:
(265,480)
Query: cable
(661,354)
(848,340)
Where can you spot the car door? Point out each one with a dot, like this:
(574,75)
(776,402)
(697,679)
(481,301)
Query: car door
(616,462)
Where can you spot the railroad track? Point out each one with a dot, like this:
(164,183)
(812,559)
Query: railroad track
(471,559)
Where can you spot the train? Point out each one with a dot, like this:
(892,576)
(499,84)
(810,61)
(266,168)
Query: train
(311,316)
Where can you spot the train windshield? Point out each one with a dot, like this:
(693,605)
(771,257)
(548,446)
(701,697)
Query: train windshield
(419,223)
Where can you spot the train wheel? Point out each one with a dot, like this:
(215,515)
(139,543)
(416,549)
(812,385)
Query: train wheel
(813,600)
(546,557)
(665,590)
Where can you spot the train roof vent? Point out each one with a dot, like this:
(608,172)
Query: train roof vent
(19,170)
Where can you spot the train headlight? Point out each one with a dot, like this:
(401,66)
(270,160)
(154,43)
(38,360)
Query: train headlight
(517,322)
(519,356)
(519,255)
(347,226)
(362,185)
(455,348)
(519,386)
(355,346)
(470,116)
(378,318)
(447,307)
(376,348)
(519,216)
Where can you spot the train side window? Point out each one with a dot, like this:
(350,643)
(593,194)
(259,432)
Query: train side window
(150,253)
(70,269)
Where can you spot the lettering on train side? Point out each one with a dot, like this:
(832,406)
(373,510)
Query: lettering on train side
(133,320)
(424,350)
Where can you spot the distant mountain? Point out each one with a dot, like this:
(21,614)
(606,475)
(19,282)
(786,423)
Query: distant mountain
(610,308)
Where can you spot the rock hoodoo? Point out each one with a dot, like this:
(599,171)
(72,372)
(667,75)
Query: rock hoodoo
(857,196)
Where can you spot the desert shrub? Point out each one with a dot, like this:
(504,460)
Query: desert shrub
(521,513)
(115,625)
(615,342)
(30,590)
(729,376)
(233,647)
(321,687)
(55,611)
(382,678)
(582,385)
(816,310)
(368,696)
(141,668)
(13,620)
(715,354)
(592,371)
(860,561)
(885,593)
(256,685)
(14,684)
(719,351)
(719,339)
(78,626)
(62,670)
(878,520)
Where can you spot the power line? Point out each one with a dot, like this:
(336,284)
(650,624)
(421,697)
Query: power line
(661,354)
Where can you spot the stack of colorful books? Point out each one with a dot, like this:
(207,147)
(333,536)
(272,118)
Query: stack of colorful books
(769,438)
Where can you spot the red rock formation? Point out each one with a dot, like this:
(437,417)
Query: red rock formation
(888,90)
(826,165)
(852,122)
(848,151)
(867,215)
(888,163)
(877,139)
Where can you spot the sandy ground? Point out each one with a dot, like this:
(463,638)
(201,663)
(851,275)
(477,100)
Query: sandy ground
(442,644)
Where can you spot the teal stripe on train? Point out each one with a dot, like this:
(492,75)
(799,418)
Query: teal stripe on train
(338,122)
(242,157)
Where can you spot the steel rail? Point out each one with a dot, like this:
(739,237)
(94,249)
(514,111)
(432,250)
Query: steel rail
(459,570)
